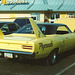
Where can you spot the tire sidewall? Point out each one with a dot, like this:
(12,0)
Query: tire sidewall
(52,58)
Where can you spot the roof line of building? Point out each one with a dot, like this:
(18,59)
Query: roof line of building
(43,6)
(61,5)
(31,4)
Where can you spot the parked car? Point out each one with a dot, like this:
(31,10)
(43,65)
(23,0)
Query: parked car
(9,27)
(36,41)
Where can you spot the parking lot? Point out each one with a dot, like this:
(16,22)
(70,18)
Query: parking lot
(64,66)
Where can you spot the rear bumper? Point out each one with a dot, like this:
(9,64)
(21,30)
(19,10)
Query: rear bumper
(19,54)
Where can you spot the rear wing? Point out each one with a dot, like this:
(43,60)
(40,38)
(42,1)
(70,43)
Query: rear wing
(36,29)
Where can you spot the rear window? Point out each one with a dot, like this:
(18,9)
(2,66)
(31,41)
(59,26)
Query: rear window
(22,22)
(48,29)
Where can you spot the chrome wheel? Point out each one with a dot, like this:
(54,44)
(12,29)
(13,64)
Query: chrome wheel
(52,58)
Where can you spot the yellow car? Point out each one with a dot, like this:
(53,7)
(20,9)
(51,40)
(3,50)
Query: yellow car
(70,22)
(35,41)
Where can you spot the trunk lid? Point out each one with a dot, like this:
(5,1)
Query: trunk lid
(20,37)
(18,43)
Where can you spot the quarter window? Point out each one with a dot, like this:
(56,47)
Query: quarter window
(62,30)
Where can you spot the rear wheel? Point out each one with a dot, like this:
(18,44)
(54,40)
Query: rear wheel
(52,58)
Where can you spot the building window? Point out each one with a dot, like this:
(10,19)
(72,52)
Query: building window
(53,17)
(57,16)
(35,16)
(71,15)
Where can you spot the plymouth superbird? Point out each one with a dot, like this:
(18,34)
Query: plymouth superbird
(36,41)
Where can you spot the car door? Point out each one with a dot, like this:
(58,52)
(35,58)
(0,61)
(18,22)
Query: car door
(69,41)
(69,37)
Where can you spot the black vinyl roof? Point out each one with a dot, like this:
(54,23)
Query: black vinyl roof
(58,24)
(6,22)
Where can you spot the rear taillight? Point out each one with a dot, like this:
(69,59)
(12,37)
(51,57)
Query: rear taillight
(27,47)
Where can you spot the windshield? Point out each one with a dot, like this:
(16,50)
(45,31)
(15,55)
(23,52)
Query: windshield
(27,29)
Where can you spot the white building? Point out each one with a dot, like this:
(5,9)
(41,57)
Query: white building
(38,9)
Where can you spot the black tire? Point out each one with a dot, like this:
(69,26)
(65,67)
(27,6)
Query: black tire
(52,58)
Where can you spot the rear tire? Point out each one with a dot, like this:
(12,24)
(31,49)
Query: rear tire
(52,58)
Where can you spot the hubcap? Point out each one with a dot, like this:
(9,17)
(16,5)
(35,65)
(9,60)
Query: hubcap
(54,58)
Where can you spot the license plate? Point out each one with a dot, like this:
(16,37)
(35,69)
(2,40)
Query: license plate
(8,55)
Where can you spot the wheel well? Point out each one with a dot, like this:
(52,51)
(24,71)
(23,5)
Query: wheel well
(55,49)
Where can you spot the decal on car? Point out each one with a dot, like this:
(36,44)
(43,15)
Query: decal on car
(42,46)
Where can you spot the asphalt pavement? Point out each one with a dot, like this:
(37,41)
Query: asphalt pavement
(64,66)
